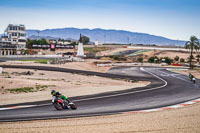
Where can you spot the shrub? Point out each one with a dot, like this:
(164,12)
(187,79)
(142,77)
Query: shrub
(118,58)
(168,60)
(20,90)
(176,58)
(140,59)
(153,59)
(182,60)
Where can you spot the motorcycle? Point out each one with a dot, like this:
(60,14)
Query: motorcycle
(194,80)
(61,104)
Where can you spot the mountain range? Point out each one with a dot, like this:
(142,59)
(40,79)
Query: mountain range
(103,36)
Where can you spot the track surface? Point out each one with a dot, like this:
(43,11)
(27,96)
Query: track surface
(166,88)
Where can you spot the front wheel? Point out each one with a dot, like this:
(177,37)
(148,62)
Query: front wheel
(73,106)
(58,105)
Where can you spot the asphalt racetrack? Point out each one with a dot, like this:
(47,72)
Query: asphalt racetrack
(166,88)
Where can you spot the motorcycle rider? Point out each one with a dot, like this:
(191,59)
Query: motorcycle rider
(192,78)
(58,94)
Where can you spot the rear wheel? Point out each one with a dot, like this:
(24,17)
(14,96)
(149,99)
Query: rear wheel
(58,105)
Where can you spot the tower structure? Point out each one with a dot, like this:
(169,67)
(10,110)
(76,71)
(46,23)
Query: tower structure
(80,52)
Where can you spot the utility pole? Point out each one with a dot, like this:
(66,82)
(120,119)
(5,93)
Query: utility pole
(104,39)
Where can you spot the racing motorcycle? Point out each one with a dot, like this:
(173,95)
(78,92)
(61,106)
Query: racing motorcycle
(61,104)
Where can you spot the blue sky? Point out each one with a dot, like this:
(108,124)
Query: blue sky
(174,19)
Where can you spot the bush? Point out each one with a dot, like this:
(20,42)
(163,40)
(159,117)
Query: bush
(118,58)
(182,60)
(20,90)
(153,59)
(176,58)
(27,51)
(168,60)
(140,59)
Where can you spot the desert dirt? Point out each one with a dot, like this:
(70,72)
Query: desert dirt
(147,54)
(173,54)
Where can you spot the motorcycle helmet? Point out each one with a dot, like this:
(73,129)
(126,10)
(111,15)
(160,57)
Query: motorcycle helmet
(53,92)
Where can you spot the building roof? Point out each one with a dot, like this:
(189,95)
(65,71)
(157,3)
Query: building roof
(21,25)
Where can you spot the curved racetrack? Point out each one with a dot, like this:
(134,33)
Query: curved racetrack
(166,88)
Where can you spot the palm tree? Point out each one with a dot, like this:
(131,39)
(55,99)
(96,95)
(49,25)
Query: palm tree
(193,44)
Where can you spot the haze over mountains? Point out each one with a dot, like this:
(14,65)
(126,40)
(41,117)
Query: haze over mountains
(104,36)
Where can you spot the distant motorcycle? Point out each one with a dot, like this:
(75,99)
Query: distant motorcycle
(61,104)
(193,79)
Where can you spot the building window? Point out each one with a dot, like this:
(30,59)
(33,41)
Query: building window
(22,28)
(14,34)
(21,40)
(22,34)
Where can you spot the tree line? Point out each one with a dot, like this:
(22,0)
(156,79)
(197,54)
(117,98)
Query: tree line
(43,41)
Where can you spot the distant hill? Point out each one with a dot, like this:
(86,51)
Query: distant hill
(34,37)
(105,36)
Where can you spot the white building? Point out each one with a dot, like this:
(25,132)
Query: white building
(17,35)
(13,41)
(96,42)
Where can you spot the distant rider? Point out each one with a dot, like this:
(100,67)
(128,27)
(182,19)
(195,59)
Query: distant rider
(192,78)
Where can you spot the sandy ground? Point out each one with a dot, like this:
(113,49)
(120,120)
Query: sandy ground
(68,84)
(146,55)
(181,120)
(173,54)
